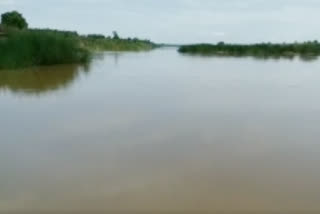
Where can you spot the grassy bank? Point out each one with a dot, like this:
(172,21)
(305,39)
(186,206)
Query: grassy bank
(101,43)
(32,47)
(256,50)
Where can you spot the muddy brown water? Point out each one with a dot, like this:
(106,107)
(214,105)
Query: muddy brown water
(160,132)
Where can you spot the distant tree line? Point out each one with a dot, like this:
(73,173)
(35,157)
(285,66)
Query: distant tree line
(115,37)
(263,49)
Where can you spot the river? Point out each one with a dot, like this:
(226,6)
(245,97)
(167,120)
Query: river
(161,132)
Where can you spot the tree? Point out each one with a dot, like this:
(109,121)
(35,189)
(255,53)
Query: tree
(115,35)
(14,19)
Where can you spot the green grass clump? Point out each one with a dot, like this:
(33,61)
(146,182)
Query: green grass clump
(39,47)
(256,50)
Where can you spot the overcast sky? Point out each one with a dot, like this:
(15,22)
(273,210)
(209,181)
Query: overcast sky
(178,21)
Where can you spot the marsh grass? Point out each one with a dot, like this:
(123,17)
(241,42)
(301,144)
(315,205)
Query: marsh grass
(31,47)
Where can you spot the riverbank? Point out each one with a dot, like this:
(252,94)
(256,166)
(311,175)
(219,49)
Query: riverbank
(255,50)
(101,43)
(34,47)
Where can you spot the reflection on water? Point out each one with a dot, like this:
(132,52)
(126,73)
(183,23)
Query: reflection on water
(305,58)
(158,132)
(39,80)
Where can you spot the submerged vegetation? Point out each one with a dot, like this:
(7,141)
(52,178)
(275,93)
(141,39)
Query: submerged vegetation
(256,50)
(23,47)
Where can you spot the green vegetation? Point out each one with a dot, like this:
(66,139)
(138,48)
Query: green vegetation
(96,42)
(115,35)
(22,47)
(256,50)
(14,20)
(32,47)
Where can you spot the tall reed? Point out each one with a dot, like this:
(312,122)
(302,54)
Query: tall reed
(30,48)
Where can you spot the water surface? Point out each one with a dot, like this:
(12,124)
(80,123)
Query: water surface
(159,132)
